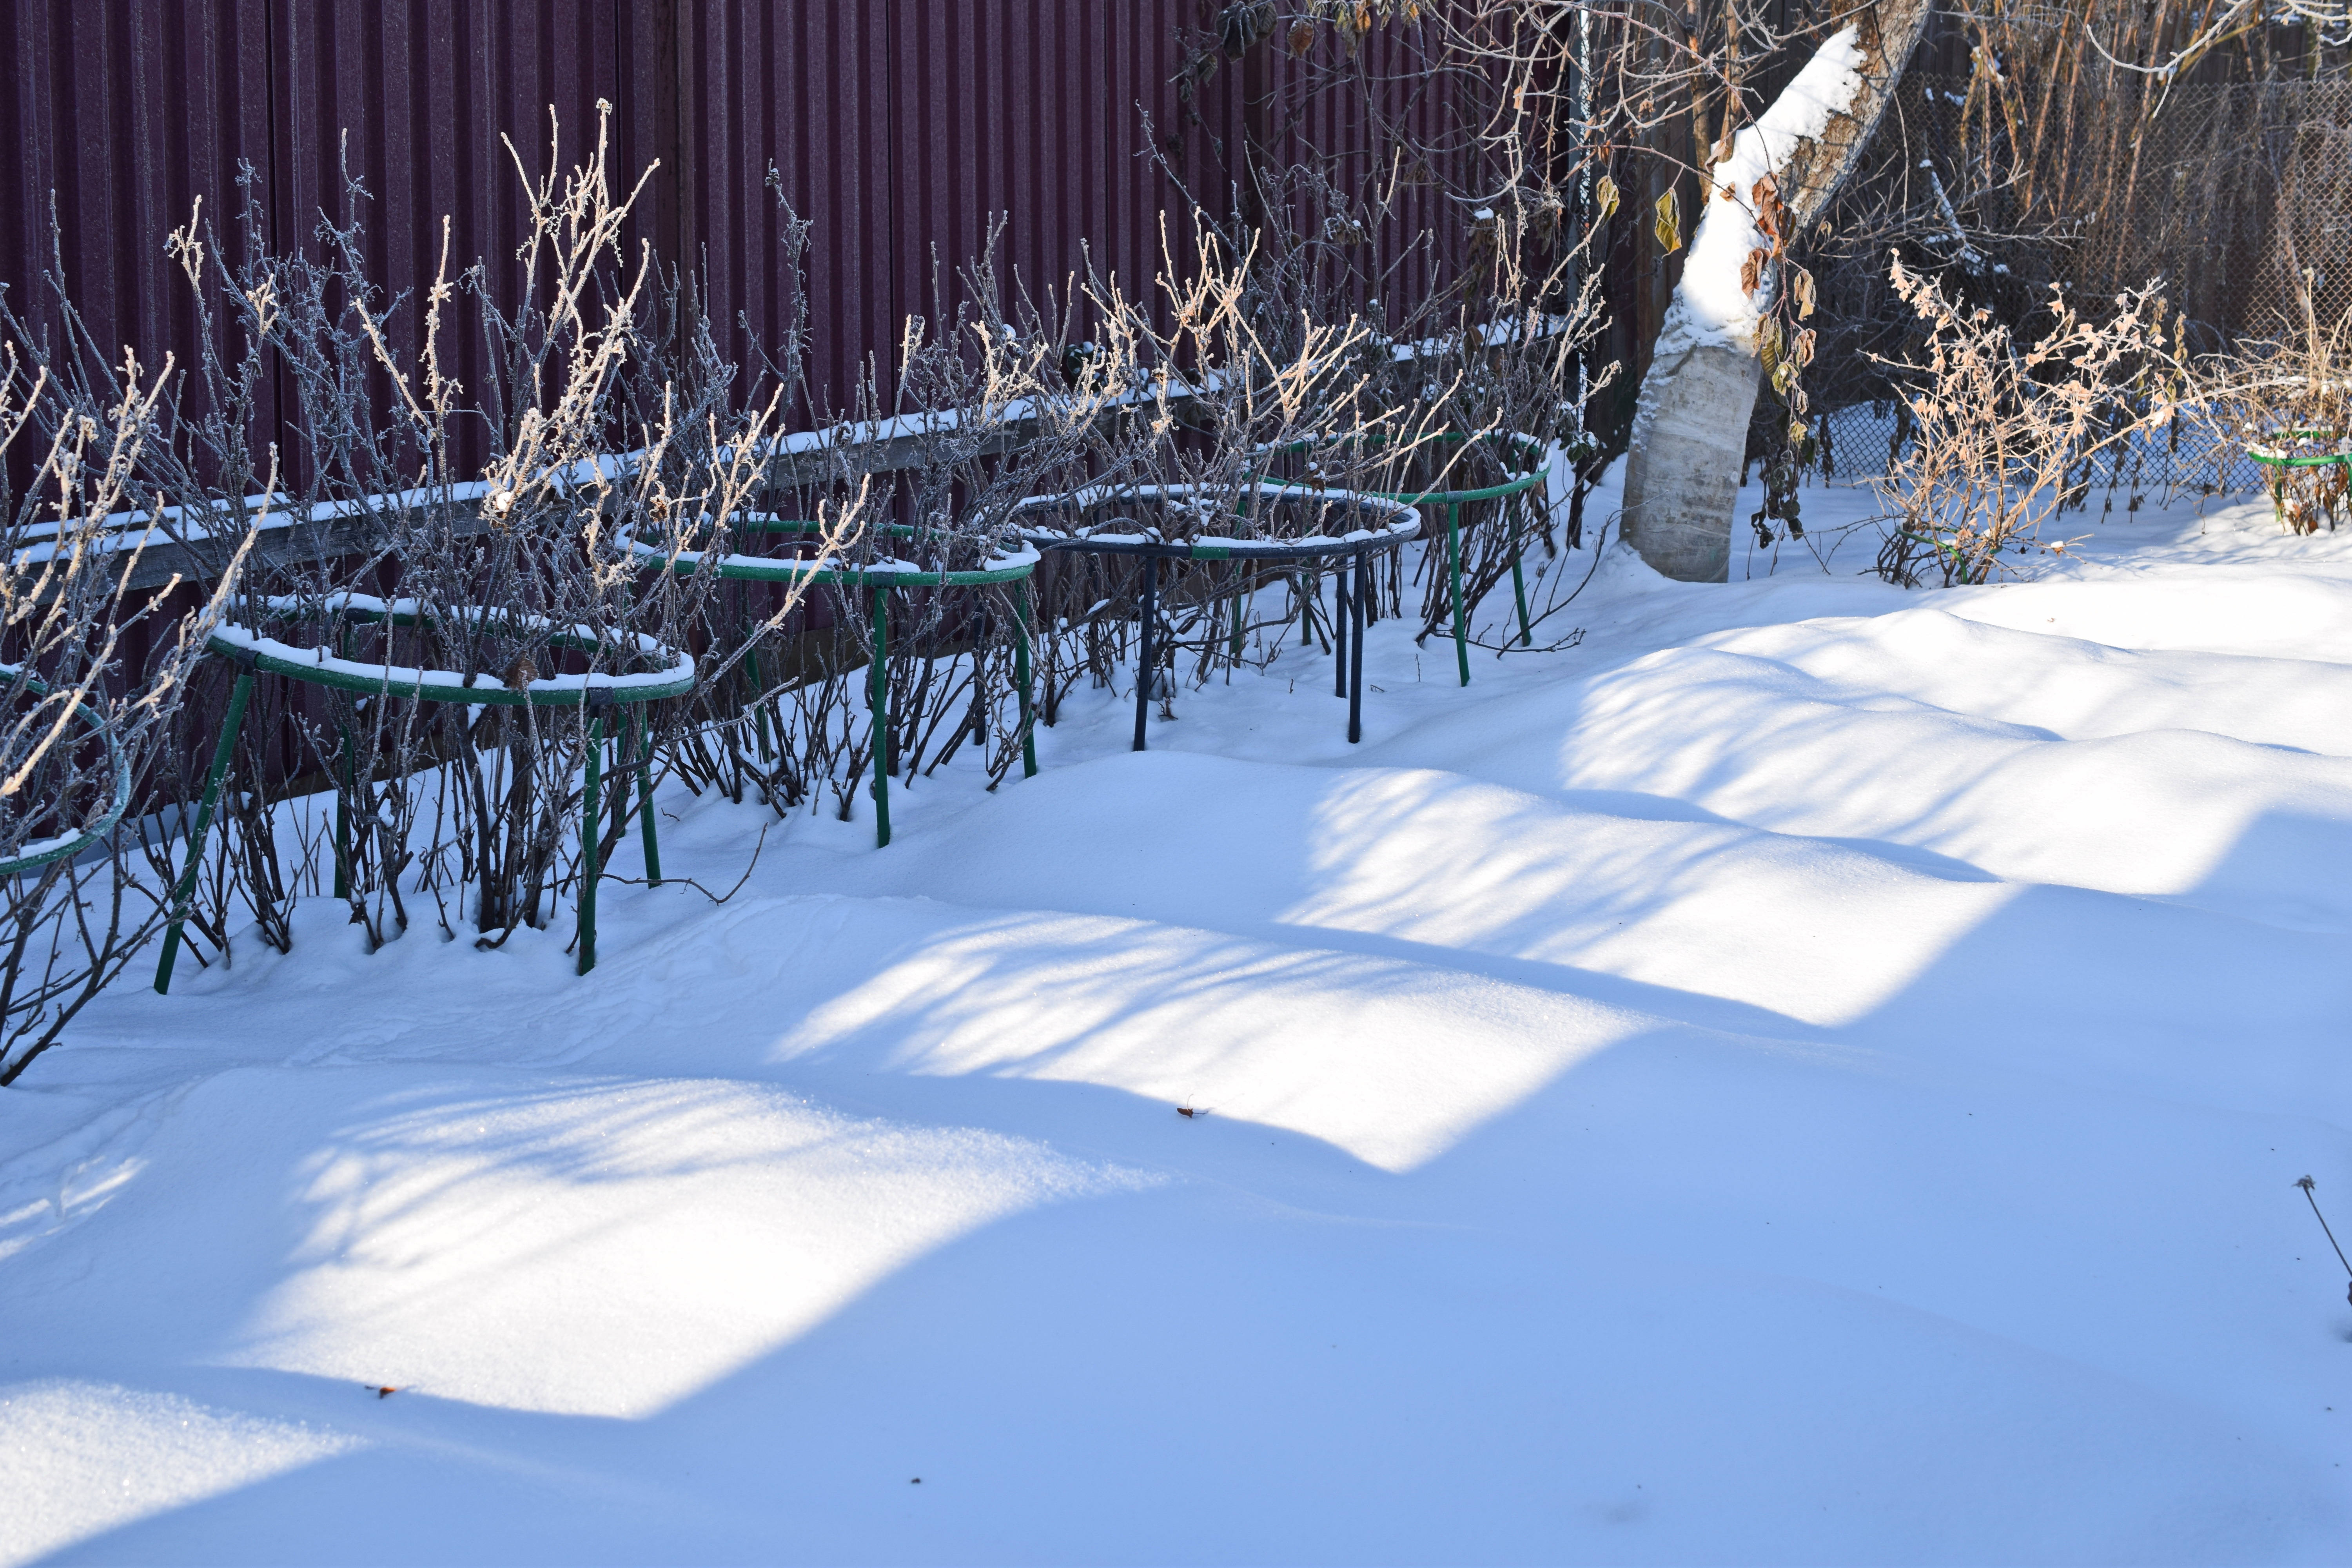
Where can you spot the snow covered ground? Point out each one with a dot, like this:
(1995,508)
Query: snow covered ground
(1814,1074)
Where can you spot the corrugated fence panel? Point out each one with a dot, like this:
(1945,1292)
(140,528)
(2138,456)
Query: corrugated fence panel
(413,100)
(1034,112)
(127,113)
(904,133)
(1308,119)
(900,127)
(803,88)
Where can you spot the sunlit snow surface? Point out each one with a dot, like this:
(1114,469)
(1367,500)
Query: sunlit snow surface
(1814,1074)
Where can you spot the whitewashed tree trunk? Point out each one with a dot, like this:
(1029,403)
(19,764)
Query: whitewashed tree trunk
(1682,481)
(1690,427)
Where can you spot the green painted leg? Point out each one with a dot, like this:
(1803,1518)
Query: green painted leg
(344,865)
(1520,592)
(1021,680)
(760,711)
(343,822)
(589,834)
(879,691)
(185,893)
(1453,575)
(646,831)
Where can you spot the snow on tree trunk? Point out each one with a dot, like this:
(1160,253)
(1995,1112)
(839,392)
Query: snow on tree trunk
(1690,427)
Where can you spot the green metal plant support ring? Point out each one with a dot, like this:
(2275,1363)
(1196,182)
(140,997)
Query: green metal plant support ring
(2282,463)
(1530,453)
(258,654)
(32,856)
(2294,459)
(877,579)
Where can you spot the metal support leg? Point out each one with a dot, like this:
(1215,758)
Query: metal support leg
(1339,620)
(1143,670)
(184,894)
(760,710)
(1022,678)
(1453,575)
(879,694)
(1519,593)
(1356,653)
(344,864)
(590,832)
(646,832)
(1519,578)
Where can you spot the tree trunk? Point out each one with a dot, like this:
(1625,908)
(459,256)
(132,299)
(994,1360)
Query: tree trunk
(1690,428)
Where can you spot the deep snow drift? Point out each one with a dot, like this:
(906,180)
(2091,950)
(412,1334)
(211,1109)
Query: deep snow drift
(1814,1074)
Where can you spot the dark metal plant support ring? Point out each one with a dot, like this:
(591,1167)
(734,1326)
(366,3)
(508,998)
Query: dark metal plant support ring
(1356,549)
(1511,493)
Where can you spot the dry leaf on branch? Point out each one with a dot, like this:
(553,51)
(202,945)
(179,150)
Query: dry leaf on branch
(1669,226)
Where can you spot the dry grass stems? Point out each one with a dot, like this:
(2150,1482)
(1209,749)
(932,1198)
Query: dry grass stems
(2287,403)
(2002,438)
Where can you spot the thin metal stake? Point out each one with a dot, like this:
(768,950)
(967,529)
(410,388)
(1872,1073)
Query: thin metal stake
(1356,653)
(1143,660)
(879,691)
(1339,618)
(1519,578)
(760,710)
(343,864)
(1454,571)
(646,828)
(1021,677)
(589,833)
(1520,592)
(185,893)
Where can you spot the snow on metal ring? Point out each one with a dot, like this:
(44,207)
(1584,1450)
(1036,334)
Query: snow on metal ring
(1403,524)
(831,571)
(318,668)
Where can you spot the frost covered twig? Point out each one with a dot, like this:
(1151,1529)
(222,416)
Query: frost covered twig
(92,674)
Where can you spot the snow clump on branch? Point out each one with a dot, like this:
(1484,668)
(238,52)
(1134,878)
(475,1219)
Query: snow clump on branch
(1716,302)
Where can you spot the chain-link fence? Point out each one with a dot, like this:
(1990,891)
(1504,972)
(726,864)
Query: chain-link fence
(2235,199)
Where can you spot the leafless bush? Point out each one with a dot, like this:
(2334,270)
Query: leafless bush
(611,445)
(2001,438)
(992,401)
(1216,395)
(1441,176)
(93,674)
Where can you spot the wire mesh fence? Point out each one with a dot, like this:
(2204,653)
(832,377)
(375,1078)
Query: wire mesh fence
(2234,199)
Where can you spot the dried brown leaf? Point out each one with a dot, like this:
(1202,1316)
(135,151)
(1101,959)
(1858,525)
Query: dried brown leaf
(1669,226)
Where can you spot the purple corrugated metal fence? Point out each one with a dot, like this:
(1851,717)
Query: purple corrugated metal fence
(901,128)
